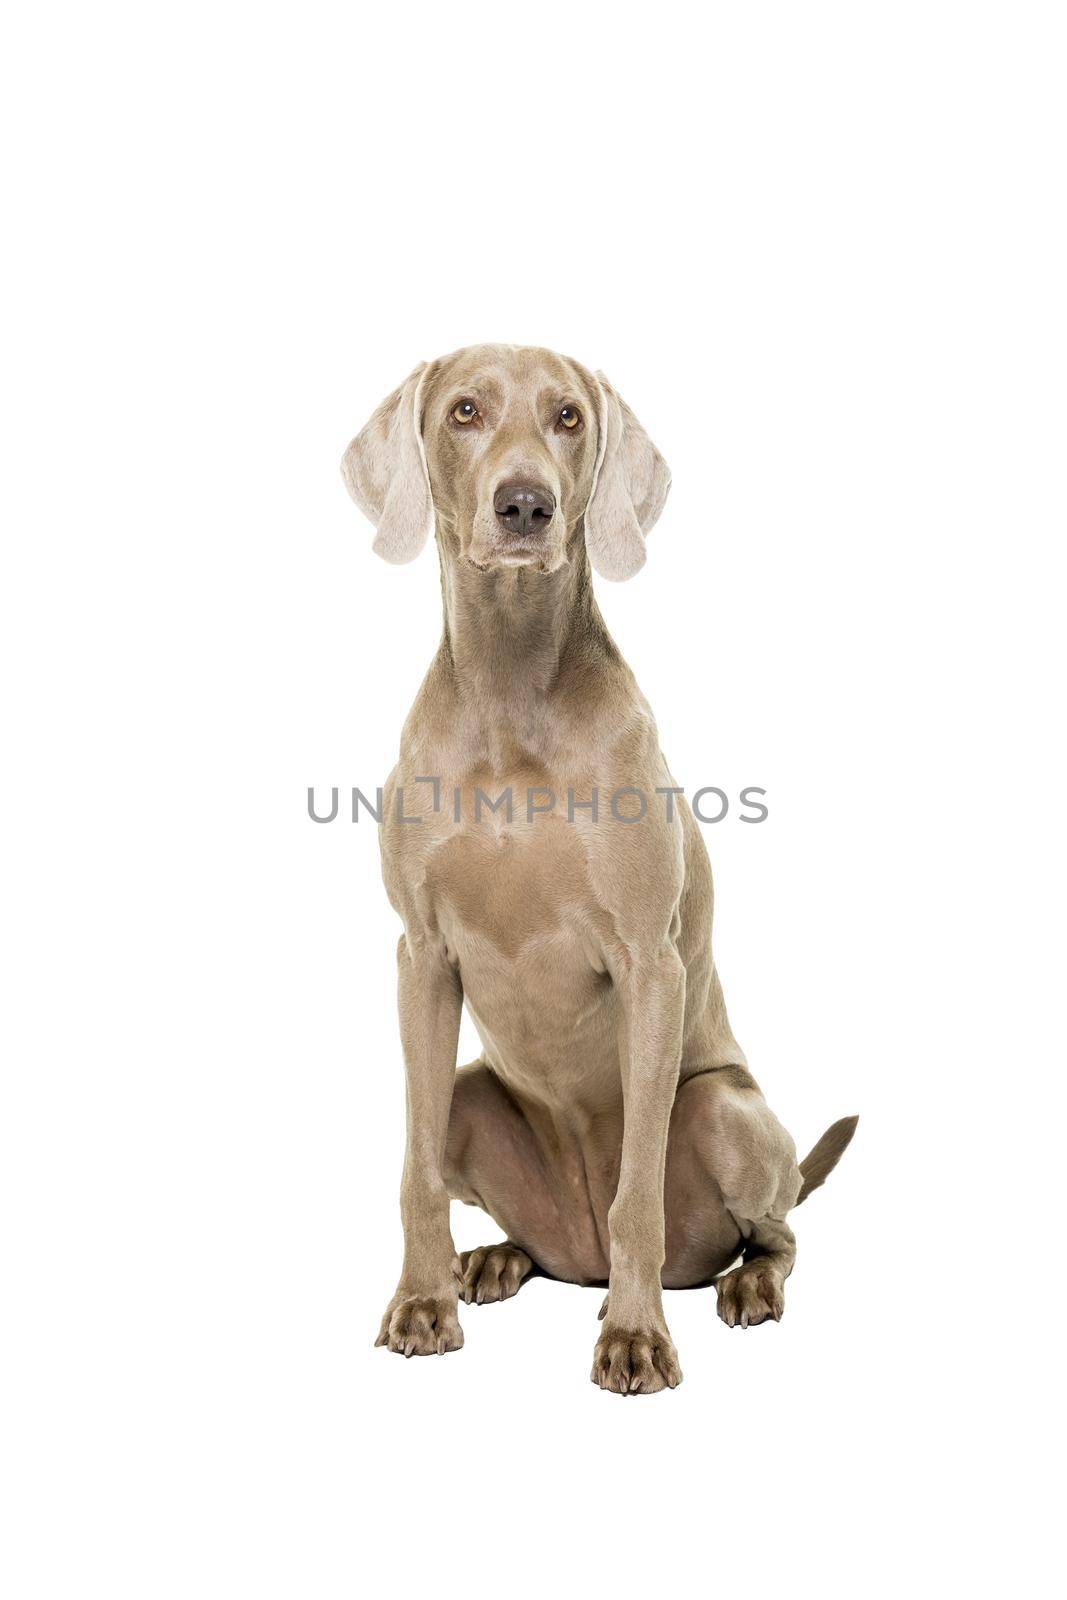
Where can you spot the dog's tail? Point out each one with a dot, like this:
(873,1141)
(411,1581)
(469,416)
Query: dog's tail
(818,1164)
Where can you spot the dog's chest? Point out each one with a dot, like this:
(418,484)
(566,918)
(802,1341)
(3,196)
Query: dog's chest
(516,910)
(511,888)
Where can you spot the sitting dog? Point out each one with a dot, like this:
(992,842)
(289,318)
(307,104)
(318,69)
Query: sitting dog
(610,1127)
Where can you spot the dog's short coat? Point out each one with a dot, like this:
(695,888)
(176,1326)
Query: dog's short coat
(610,1127)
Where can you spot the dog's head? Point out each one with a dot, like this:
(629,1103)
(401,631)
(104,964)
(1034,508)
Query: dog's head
(514,452)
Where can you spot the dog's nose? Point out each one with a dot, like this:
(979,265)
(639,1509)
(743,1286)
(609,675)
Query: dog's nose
(523,507)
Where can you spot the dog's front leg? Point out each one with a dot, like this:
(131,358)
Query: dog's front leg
(635,1354)
(421,1318)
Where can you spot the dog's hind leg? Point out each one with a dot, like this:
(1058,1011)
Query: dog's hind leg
(754,1162)
(755,1289)
(493,1160)
(732,1177)
(488,1162)
(724,1133)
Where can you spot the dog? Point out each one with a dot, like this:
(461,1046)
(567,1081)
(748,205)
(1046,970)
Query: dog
(610,1127)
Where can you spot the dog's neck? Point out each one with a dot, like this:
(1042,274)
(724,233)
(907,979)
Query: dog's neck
(515,637)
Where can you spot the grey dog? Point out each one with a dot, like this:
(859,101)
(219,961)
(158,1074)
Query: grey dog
(610,1127)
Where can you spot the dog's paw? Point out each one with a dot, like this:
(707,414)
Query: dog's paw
(420,1325)
(752,1293)
(492,1272)
(635,1362)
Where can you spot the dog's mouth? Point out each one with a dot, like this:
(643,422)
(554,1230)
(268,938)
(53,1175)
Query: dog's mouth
(534,557)
(523,549)
(495,545)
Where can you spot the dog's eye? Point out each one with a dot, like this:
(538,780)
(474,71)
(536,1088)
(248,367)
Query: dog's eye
(569,417)
(465,411)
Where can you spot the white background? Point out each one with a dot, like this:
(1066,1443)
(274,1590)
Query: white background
(820,249)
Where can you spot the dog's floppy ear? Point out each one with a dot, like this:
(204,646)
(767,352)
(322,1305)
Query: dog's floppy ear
(384,469)
(629,487)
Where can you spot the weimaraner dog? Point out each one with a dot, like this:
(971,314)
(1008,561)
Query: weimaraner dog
(610,1126)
